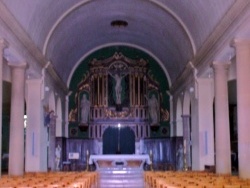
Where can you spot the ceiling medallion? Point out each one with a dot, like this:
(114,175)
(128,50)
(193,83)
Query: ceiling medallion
(119,23)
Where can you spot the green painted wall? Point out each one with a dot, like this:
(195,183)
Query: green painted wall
(133,53)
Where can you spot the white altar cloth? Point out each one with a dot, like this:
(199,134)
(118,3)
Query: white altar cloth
(119,162)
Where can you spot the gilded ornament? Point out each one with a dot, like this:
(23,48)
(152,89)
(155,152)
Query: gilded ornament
(164,115)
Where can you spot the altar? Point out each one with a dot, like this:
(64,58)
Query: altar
(119,163)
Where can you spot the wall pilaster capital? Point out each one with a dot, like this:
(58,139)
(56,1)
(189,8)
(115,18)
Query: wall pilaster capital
(3,44)
(185,116)
(36,81)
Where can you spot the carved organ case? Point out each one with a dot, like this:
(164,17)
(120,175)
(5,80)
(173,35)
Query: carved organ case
(119,90)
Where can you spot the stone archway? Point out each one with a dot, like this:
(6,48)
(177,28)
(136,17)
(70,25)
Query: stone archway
(118,140)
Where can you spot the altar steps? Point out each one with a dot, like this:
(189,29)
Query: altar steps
(127,180)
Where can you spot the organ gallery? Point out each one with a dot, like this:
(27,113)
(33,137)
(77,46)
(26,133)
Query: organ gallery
(119,90)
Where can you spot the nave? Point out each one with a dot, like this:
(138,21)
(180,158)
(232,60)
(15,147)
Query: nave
(148,179)
(125,88)
(51,180)
(192,179)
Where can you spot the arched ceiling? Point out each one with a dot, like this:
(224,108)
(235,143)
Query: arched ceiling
(172,30)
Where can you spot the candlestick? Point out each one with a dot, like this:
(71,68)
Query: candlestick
(184,147)
(151,159)
(185,168)
(87,161)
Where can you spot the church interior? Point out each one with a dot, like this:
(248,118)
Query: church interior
(135,93)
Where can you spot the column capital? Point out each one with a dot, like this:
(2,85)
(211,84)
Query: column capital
(21,65)
(240,42)
(185,116)
(219,65)
(3,44)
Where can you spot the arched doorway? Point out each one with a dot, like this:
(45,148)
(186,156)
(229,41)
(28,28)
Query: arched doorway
(118,141)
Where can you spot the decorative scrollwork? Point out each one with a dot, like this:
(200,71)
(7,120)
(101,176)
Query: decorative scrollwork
(164,115)
(72,115)
(116,114)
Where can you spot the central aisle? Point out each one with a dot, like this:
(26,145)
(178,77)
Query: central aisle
(124,180)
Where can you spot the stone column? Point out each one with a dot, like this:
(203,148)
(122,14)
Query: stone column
(186,138)
(222,131)
(243,105)
(16,145)
(3,45)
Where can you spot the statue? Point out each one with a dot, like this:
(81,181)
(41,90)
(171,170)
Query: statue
(153,109)
(85,108)
(72,115)
(50,117)
(179,157)
(58,156)
(118,87)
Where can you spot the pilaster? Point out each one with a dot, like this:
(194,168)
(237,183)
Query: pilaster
(36,132)
(186,138)
(202,137)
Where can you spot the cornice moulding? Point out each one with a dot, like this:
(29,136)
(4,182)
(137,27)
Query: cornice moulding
(218,40)
(23,38)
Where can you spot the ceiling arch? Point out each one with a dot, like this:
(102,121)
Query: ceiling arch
(64,31)
(137,33)
(60,19)
(178,19)
(119,44)
(78,5)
